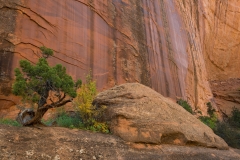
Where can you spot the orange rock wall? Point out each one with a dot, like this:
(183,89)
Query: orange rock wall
(156,43)
(222,39)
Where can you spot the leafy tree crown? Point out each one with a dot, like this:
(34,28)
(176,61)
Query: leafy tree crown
(32,81)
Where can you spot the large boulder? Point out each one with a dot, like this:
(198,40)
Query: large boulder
(139,114)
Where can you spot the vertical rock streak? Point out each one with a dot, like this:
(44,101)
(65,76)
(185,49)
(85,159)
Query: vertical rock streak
(167,51)
(198,88)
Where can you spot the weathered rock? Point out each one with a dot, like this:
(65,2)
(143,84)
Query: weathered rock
(141,115)
(226,94)
(221,41)
(61,143)
(159,44)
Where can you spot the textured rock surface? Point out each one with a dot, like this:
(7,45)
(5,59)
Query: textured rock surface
(221,41)
(141,115)
(156,43)
(226,94)
(61,143)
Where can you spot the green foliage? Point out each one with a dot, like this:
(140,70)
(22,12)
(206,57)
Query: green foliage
(185,105)
(32,81)
(234,120)
(65,120)
(46,51)
(9,122)
(229,134)
(230,129)
(210,110)
(89,114)
(210,120)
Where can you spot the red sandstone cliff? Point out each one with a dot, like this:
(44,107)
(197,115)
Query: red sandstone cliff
(164,44)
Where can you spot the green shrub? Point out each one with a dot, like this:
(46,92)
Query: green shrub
(229,134)
(65,120)
(228,130)
(185,105)
(9,122)
(211,111)
(234,120)
(211,120)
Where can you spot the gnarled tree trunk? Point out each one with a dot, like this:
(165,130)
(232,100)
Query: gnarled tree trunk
(29,117)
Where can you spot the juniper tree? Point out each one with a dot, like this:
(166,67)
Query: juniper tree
(48,87)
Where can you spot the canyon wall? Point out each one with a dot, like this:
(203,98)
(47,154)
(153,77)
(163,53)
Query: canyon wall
(222,38)
(221,51)
(163,44)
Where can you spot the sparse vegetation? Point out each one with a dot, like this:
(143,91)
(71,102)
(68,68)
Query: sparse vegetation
(234,120)
(185,105)
(9,122)
(210,120)
(229,130)
(230,134)
(65,120)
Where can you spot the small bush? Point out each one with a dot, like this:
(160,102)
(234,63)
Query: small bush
(211,111)
(185,105)
(211,120)
(228,130)
(89,114)
(229,134)
(9,122)
(234,120)
(65,120)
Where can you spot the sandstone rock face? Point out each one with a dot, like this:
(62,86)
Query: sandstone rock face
(198,90)
(156,43)
(221,50)
(226,94)
(139,114)
(221,41)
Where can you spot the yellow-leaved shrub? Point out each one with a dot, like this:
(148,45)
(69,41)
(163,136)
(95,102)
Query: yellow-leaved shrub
(90,115)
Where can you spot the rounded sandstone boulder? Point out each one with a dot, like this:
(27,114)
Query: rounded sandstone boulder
(138,114)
